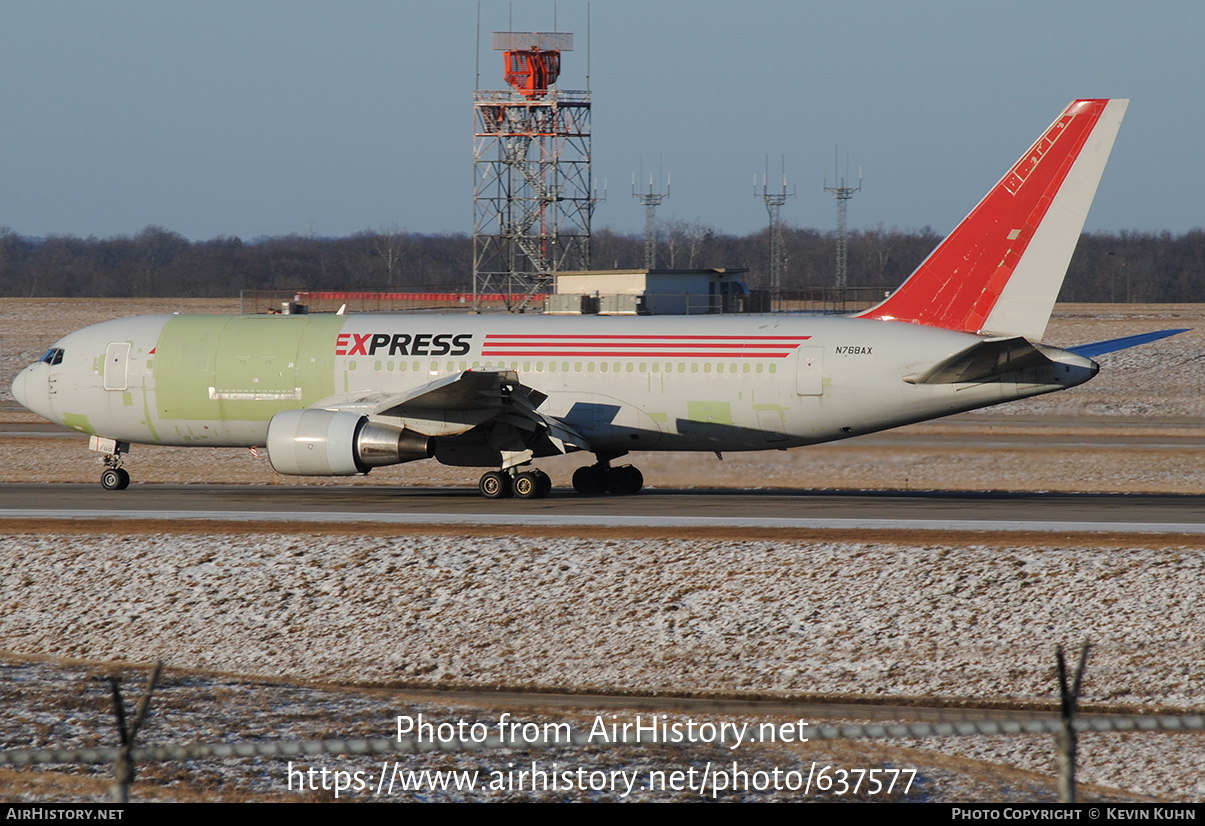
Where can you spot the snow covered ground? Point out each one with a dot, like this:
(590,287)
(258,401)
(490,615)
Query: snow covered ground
(765,618)
(876,619)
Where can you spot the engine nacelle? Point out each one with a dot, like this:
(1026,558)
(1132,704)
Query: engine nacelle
(337,443)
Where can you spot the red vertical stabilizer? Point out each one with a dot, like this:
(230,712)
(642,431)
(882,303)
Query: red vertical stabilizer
(1000,270)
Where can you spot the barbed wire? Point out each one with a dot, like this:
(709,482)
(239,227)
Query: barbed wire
(302,748)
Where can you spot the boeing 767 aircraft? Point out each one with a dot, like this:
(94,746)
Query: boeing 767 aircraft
(332,395)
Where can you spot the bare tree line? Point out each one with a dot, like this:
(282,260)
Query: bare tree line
(1107,267)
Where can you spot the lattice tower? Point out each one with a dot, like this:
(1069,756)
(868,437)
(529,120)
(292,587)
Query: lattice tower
(842,194)
(774,202)
(651,201)
(532,199)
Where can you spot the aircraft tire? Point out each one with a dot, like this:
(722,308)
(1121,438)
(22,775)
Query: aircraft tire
(545,484)
(495,485)
(590,480)
(528,485)
(624,481)
(115,479)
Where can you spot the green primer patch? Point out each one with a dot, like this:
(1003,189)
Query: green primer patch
(77,421)
(243,368)
(149,421)
(711,412)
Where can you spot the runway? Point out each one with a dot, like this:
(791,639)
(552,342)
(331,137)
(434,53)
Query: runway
(866,510)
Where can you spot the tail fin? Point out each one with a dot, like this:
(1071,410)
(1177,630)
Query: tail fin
(1000,270)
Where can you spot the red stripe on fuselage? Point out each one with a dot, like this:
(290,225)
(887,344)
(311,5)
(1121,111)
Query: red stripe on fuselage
(725,354)
(559,336)
(645,346)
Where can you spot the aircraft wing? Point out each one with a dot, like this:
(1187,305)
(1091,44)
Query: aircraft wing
(483,400)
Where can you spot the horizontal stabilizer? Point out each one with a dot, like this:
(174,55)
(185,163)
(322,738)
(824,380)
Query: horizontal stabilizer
(1099,348)
(990,357)
(1005,359)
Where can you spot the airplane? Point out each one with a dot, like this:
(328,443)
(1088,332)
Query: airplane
(333,395)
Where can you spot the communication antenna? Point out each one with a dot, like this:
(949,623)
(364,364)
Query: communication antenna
(842,194)
(651,201)
(774,202)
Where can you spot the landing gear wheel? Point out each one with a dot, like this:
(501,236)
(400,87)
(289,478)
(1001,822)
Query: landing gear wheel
(532,484)
(115,478)
(495,485)
(624,481)
(590,480)
(527,485)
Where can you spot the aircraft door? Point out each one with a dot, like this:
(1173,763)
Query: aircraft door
(809,379)
(117,365)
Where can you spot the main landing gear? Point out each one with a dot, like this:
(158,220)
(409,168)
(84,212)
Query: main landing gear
(602,478)
(528,484)
(593,479)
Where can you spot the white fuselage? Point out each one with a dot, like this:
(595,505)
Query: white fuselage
(716,383)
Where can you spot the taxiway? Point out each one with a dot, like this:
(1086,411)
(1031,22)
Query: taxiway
(869,510)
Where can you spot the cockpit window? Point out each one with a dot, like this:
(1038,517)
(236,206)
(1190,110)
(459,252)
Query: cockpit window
(53,356)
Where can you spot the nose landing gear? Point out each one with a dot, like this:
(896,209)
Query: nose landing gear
(115,478)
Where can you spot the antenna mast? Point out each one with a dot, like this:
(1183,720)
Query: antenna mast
(842,194)
(774,202)
(651,201)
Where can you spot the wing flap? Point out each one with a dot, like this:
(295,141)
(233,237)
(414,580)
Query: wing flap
(478,390)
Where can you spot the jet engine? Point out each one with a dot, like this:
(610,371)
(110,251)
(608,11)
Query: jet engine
(338,443)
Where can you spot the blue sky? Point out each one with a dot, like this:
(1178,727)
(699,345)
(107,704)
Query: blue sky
(260,118)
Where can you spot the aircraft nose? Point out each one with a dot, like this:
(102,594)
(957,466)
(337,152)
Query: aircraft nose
(25,390)
(19,388)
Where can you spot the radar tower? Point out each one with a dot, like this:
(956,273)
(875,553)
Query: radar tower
(532,198)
